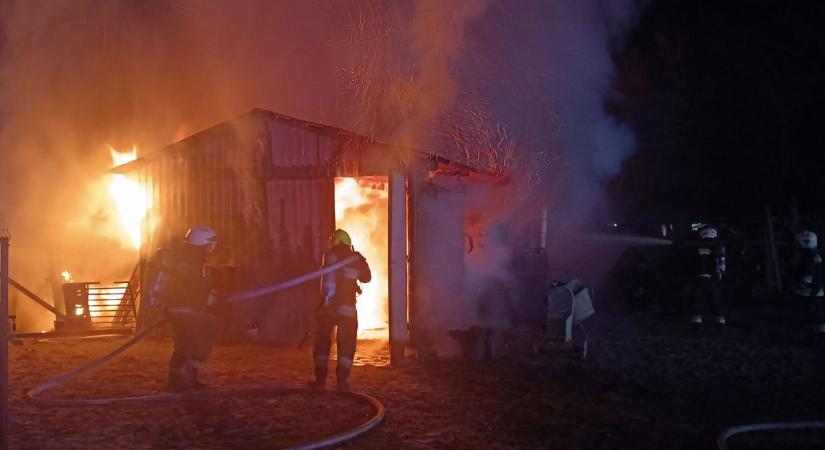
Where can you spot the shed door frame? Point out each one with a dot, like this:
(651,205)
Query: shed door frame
(398,266)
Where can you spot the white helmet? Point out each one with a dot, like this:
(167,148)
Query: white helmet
(806,239)
(708,233)
(201,236)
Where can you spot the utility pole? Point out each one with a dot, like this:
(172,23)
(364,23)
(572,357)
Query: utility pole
(4,339)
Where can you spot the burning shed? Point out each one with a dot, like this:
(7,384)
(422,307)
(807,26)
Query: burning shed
(275,187)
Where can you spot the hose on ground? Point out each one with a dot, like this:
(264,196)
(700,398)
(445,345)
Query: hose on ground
(721,440)
(34,393)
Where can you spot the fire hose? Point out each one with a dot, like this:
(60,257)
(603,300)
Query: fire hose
(721,440)
(34,393)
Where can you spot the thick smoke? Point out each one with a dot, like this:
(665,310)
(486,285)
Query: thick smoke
(437,33)
(549,74)
(542,72)
(524,80)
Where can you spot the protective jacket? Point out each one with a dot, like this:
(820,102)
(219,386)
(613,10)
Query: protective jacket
(339,288)
(180,279)
(711,260)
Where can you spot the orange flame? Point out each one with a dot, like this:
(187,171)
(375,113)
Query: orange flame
(67,277)
(361,210)
(129,197)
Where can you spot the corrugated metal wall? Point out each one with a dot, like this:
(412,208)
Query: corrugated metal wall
(265,182)
(214,178)
(207,181)
(301,215)
(296,145)
(266,186)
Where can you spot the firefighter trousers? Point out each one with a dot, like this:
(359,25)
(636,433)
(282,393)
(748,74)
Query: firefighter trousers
(193,333)
(346,334)
(707,302)
(816,315)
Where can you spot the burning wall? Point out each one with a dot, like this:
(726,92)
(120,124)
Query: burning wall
(130,198)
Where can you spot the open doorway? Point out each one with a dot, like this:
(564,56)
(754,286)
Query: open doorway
(361,208)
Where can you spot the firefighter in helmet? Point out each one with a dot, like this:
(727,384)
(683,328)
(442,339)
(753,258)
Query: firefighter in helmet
(181,290)
(337,309)
(707,289)
(808,282)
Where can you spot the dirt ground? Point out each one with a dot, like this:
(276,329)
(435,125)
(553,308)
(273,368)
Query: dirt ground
(646,384)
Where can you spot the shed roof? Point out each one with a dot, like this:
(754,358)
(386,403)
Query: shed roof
(258,115)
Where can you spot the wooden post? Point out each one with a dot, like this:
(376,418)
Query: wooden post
(543,244)
(4,339)
(398,289)
(412,202)
(774,259)
(56,282)
(544,263)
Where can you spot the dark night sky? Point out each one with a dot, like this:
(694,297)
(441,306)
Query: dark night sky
(728,103)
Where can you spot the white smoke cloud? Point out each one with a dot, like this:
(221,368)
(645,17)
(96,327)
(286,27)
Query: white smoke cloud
(615,142)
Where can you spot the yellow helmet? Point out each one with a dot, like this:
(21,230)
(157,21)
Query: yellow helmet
(340,237)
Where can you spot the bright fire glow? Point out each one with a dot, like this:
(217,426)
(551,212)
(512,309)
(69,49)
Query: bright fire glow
(67,277)
(129,197)
(104,300)
(361,210)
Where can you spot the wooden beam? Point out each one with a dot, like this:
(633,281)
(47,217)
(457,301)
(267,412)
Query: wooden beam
(4,337)
(35,298)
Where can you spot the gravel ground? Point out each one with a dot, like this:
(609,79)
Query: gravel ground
(646,384)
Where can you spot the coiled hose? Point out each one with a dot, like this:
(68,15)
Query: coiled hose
(34,393)
(721,440)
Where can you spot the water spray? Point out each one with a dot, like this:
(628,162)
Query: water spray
(622,239)
(606,238)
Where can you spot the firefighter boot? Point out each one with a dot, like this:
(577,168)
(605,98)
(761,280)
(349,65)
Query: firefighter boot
(320,373)
(343,374)
(192,372)
(177,379)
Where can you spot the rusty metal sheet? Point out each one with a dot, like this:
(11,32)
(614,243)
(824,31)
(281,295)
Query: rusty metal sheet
(294,146)
(301,217)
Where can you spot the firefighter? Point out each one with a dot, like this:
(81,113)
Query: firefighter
(808,282)
(707,290)
(181,291)
(337,309)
